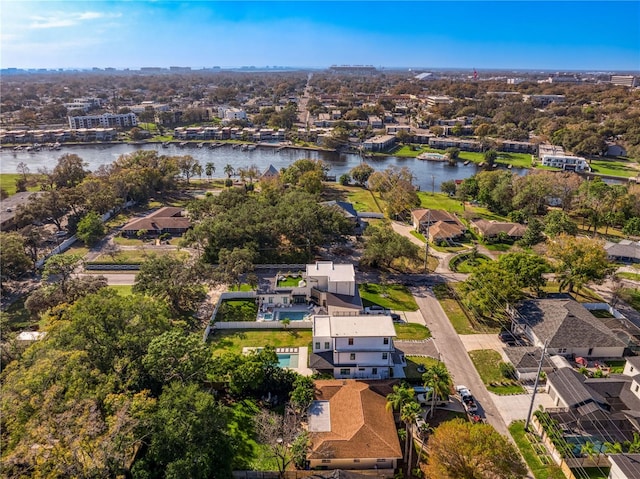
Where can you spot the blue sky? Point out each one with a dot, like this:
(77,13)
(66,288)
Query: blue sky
(586,35)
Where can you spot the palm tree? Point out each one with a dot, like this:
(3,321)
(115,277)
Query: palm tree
(409,414)
(228,170)
(399,397)
(634,446)
(589,449)
(613,448)
(209,169)
(438,379)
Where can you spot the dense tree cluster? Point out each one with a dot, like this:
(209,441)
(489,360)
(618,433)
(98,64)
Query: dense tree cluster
(276,225)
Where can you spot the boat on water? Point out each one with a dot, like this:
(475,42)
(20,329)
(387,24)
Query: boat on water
(466,162)
(201,145)
(251,147)
(165,144)
(182,144)
(481,164)
(509,166)
(244,147)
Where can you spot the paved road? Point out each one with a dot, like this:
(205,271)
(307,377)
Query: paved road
(455,356)
(113,279)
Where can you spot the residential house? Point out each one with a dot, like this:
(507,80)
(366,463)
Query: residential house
(345,208)
(526,360)
(169,219)
(440,224)
(270,173)
(355,347)
(495,229)
(624,466)
(568,328)
(625,251)
(330,286)
(351,427)
(566,162)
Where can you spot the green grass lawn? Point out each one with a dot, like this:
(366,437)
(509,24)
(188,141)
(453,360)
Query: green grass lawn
(289,281)
(8,182)
(584,295)
(420,236)
(123,289)
(411,331)
(535,455)
(237,310)
(411,369)
(361,198)
(137,256)
(440,201)
(233,340)
(487,363)
(391,296)
(465,264)
(616,366)
(77,248)
(243,287)
(615,167)
(453,310)
(631,297)
(631,276)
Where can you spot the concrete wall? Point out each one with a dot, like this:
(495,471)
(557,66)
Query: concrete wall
(385,463)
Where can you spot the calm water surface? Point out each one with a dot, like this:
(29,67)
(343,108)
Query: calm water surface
(429,174)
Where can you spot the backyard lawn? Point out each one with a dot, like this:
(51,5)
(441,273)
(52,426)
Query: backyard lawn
(440,201)
(233,340)
(535,453)
(237,310)
(8,182)
(631,297)
(615,167)
(361,198)
(487,363)
(289,281)
(122,289)
(391,296)
(411,331)
(464,263)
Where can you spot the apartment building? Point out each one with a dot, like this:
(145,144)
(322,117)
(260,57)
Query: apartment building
(570,163)
(107,120)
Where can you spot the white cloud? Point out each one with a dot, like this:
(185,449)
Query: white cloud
(61,20)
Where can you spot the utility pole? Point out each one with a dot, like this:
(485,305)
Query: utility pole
(535,385)
(433,185)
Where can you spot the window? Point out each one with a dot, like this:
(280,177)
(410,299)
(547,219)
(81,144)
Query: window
(318,345)
(374,370)
(352,357)
(562,350)
(385,355)
(385,341)
(345,372)
(285,300)
(631,369)
(350,341)
(327,345)
(270,299)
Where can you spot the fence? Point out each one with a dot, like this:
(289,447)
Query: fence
(380,473)
(262,325)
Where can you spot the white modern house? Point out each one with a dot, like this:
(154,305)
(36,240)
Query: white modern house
(571,163)
(355,347)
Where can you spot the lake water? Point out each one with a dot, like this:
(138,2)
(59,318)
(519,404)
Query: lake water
(429,174)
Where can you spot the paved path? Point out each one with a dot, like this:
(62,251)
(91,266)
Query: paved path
(455,357)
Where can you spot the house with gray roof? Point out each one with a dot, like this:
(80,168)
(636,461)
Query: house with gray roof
(526,359)
(626,251)
(624,466)
(494,229)
(568,327)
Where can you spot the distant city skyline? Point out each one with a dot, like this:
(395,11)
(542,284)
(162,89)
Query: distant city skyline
(563,36)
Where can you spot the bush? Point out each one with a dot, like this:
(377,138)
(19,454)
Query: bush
(507,370)
(228,182)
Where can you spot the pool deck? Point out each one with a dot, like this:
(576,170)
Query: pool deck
(303,357)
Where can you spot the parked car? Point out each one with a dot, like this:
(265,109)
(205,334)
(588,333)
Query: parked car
(467,399)
(376,310)
(396,318)
(61,234)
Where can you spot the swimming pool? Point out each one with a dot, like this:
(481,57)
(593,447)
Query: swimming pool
(287,360)
(292,315)
(268,316)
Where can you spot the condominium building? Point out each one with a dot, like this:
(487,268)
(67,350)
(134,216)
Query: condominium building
(107,120)
(571,163)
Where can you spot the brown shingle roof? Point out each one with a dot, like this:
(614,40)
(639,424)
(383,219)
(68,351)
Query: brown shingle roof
(422,215)
(442,230)
(361,425)
(494,228)
(165,218)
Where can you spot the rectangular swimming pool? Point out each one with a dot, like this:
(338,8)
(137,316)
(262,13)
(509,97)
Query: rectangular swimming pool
(291,315)
(287,360)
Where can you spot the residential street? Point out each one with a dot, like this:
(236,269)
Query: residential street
(454,355)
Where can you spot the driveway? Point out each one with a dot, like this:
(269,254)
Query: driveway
(515,407)
(474,342)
